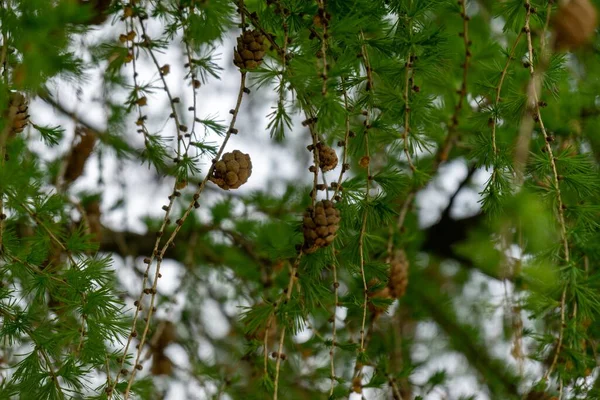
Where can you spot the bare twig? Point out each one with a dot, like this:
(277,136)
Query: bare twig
(521,159)
(462,92)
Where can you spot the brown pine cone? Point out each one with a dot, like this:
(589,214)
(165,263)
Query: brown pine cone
(328,160)
(320,225)
(398,274)
(535,395)
(161,364)
(93,213)
(574,24)
(17,113)
(232,171)
(98,10)
(250,50)
(166,335)
(383,293)
(79,153)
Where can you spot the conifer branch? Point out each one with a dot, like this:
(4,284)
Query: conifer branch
(524,136)
(336,284)
(408,77)
(363,227)
(395,390)
(158,255)
(288,296)
(345,165)
(284,61)
(179,126)
(494,119)
(179,224)
(195,83)
(138,303)
(139,101)
(310,123)
(3,134)
(39,349)
(324,20)
(462,92)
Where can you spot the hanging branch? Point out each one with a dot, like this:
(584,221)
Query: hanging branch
(336,284)
(158,255)
(408,78)
(462,92)
(193,78)
(162,71)
(521,159)
(367,157)
(288,295)
(322,19)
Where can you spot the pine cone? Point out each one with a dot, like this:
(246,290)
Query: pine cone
(98,9)
(535,395)
(79,154)
(574,24)
(232,171)
(17,113)
(383,293)
(161,364)
(320,225)
(166,335)
(328,160)
(398,274)
(93,213)
(250,50)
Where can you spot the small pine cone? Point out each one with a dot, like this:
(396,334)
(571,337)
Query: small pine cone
(535,395)
(398,274)
(250,50)
(161,364)
(574,24)
(320,225)
(17,113)
(166,335)
(328,160)
(232,171)
(98,10)
(79,154)
(384,293)
(92,211)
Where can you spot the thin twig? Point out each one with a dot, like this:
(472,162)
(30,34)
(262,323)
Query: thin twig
(325,23)
(146,41)
(180,222)
(523,146)
(288,296)
(452,130)
(5,132)
(363,228)
(158,255)
(395,389)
